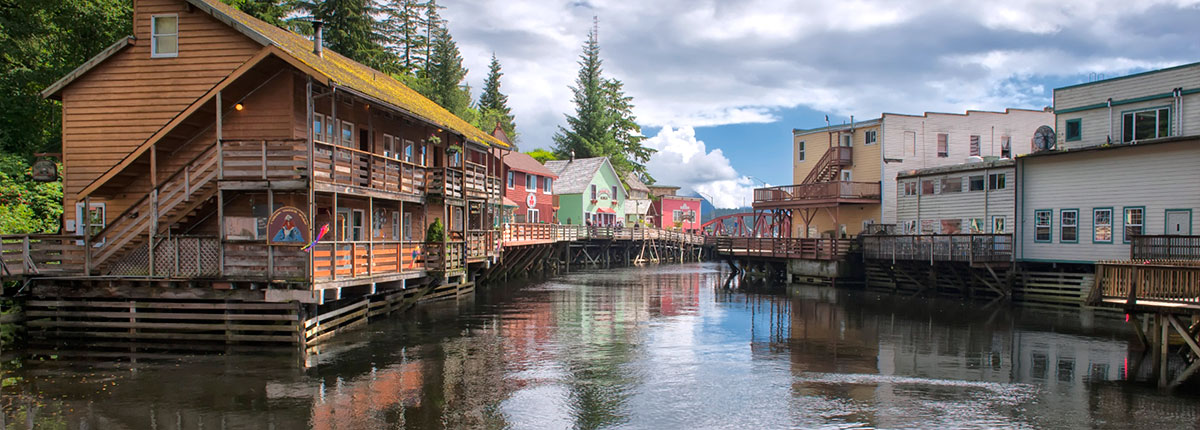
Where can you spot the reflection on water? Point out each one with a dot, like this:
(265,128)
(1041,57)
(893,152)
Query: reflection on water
(658,347)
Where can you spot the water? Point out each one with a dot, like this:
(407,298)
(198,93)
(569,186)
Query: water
(657,347)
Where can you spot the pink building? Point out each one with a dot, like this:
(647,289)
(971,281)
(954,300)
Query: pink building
(670,211)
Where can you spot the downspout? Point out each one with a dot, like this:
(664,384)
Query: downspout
(1110,120)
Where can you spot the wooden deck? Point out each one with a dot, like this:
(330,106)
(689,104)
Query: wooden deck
(784,248)
(1165,247)
(965,248)
(1155,285)
(821,194)
(520,234)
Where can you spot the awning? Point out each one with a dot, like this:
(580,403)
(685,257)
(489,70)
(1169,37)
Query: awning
(606,211)
(509,203)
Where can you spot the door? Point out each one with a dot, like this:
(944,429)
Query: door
(1179,222)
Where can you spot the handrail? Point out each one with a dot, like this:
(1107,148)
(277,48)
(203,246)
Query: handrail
(124,214)
(820,190)
(843,155)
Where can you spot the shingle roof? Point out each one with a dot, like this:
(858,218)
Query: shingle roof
(523,162)
(575,175)
(635,184)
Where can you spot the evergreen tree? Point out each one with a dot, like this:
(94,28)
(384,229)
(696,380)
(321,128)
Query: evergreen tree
(603,124)
(405,39)
(431,24)
(351,30)
(493,104)
(446,73)
(274,12)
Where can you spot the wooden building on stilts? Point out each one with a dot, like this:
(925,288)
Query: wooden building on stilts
(228,180)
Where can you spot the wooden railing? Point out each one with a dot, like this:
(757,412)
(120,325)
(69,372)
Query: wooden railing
(1167,284)
(837,156)
(482,243)
(812,193)
(475,180)
(784,247)
(1165,247)
(348,260)
(445,257)
(348,166)
(276,159)
(514,234)
(445,182)
(967,248)
(40,255)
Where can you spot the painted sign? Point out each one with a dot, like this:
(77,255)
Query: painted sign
(44,171)
(288,226)
(603,194)
(530,200)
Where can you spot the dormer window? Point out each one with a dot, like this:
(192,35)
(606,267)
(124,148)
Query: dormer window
(164,36)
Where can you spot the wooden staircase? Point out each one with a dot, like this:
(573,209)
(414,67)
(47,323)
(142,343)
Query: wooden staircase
(174,200)
(830,166)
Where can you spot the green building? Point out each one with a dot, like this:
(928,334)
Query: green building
(588,189)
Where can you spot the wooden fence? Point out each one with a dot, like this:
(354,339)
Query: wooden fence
(31,255)
(784,247)
(1165,247)
(532,233)
(966,248)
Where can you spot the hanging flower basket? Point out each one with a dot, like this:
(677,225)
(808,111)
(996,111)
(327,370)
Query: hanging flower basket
(453,149)
(434,140)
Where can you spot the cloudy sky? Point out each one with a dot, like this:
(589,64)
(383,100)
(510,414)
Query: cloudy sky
(719,85)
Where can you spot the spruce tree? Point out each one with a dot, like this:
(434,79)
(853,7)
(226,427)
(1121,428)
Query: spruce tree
(446,73)
(274,12)
(589,131)
(493,104)
(628,134)
(351,30)
(404,37)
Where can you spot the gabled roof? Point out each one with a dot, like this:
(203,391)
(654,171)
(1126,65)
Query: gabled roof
(635,184)
(522,162)
(331,68)
(575,175)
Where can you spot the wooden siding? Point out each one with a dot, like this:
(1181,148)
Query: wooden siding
(115,107)
(991,127)
(963,205)
(1157,177)
(866,157)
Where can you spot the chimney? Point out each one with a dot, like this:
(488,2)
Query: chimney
(317,39)
(572,155)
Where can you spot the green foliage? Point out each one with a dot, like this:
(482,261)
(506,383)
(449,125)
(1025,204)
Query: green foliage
(603,124)
(542,155)
(40,42)
(27,206)
(352,30)
(403,26)
(274,12)
(435,233)
(446,74)
(493,104)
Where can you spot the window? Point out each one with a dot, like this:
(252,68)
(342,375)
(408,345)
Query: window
(846,176)
(395,225)
(421,155)
(587,216)
(530,182)
(910,227)
(943,143)
(532,215)
(1005,146)
(929,226)
(356,225)
(389,146)
(998,225)
(1102,225)
(976,226)
(347,134)
(318,127)
(927,187)
(1134,222)
(593,192)
(456,159)
(408,226)
(676,215)
(974,146)
(951,185)
(1068,226)
(408,151)
(1146,124)
(910,188)
(976,183)
(164,36)
(1074,129)
(996,181)
(94,219)
(870,136)
(951,226)
(1041,225)
(546,182)
(800,151)
(614,193)
(847,139)
(512,181)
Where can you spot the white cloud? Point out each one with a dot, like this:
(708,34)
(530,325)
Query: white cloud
(716,62)
(683,161)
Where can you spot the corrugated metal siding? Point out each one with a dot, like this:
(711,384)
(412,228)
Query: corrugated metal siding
(1158,177)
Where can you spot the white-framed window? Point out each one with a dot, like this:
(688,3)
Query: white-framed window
(357,224)
(532,215)
(1134,222)
(1068,225)
(395,225)
(318,130)
(998,224)
(593,191)
(846,176)
(389,146)
(512,179)
(976,226)
(847,140)
(1145,124)
(1102,225)
(1005,146)
(421,155)
(94,220)
(347,134)
(951,185)
(975,183)
(943,145)
(457,219)
(408,151)
(676,215)
(546,184)
(164,36)
(927,187)
(614,192)
(975,145)
(996,181)
(910,227)
(800,151)
(407,228)
(1042,220)
(530,182)
(910,188)
(871,136)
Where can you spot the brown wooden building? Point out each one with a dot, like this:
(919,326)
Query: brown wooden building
(212,147)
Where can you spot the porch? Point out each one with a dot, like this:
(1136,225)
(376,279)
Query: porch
(821,194)
(965,248)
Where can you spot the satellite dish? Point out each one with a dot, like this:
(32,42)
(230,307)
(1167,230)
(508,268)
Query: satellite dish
(1044,139)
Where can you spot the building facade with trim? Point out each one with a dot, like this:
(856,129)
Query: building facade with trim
(589,190)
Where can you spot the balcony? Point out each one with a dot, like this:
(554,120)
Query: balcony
(964,248)
(446,182)
(823,194)
(338,165)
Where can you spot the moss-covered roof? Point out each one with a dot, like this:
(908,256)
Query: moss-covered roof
(338,70)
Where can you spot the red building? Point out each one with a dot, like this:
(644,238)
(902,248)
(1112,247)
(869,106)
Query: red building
(530,185)
(670,211)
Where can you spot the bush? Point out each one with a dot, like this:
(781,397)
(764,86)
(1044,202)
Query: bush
(435,233)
